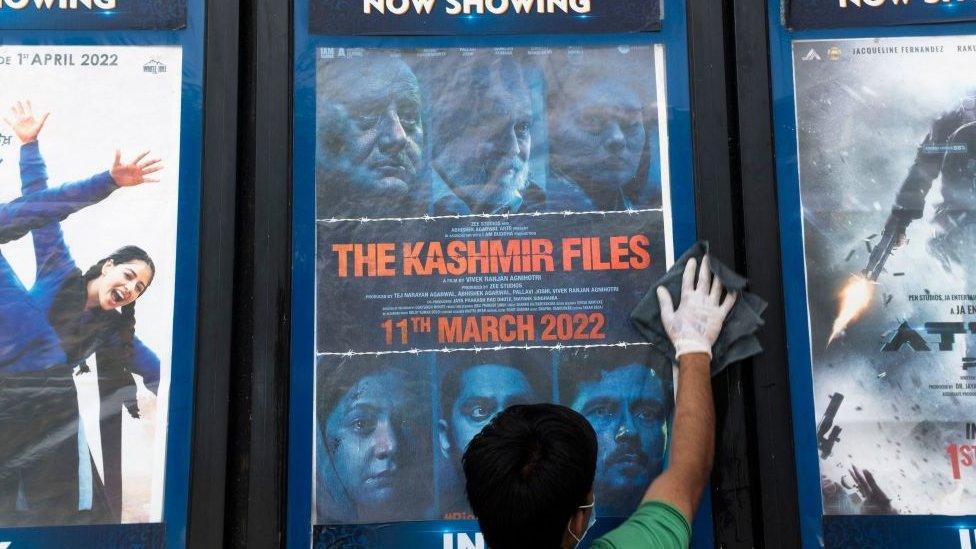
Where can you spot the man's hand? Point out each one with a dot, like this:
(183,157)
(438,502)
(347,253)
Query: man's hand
(23,123)
(695,326)
(135,172)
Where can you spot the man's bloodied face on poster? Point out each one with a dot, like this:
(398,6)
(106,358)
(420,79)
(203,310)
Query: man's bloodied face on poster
(627,408)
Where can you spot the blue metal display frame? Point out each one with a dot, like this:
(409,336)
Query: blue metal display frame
(673,35)
(179,420)
(915,531)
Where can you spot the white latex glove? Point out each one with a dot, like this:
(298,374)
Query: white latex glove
(695,326)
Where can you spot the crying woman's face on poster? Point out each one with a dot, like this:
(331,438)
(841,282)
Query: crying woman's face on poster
(370,442)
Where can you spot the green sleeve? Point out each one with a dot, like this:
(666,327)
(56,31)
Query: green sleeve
(655,525)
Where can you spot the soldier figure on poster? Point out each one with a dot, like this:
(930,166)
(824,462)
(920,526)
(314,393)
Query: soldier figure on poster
(888,316)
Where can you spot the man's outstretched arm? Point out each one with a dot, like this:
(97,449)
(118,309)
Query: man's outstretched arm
(693,439)
(664,519)
(693,328)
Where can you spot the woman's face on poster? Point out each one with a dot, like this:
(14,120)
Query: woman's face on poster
(119,285)
(365,435)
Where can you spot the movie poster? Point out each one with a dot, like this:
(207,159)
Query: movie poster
(88,210)
(887,163)
(487,218)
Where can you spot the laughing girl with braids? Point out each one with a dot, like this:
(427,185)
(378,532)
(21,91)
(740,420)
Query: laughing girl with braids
(66,317)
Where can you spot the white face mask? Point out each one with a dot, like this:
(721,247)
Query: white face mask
(589,523)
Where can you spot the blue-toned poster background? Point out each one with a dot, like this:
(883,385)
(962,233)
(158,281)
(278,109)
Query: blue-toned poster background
(486,219)
(101,33)
(915,395)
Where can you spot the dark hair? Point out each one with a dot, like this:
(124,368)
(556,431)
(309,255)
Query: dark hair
(126,254)
(65,312)
(527,472)
(335,375)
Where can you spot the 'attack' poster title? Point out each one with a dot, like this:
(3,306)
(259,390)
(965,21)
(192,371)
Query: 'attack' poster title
(487,218)
(887,159)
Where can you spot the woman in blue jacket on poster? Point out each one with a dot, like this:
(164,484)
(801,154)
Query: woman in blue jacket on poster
(66,317)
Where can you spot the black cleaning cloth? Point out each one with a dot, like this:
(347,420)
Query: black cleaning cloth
(736,341)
